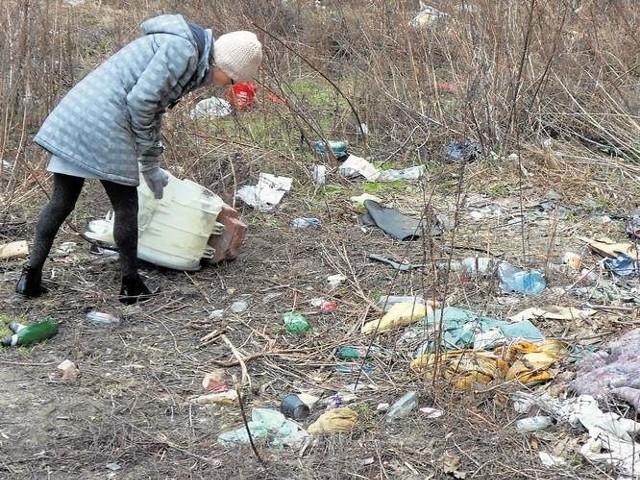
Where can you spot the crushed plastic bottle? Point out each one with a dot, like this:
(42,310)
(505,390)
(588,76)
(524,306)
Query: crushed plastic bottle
(30,334)
(622,265)
(513,279)
(403,406)
(101,318)
(532,424)
(295,322)
(473,265)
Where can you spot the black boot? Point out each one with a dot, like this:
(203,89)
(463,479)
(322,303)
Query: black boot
(134,290)
(30,283)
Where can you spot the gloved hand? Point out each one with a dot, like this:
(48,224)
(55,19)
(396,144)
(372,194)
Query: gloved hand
(156,179)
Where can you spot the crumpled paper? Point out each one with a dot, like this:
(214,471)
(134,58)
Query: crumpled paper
(267,193)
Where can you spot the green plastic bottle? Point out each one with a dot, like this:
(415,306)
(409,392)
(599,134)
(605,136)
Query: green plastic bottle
(358,352)
(30,334)
(295,322)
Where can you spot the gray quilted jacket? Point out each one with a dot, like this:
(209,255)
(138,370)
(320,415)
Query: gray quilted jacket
(111,118)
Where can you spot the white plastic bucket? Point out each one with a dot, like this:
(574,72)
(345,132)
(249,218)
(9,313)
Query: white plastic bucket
(172,232)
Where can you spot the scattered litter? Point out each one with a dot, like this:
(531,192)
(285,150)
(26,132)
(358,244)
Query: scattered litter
(358,200)
(319,174)
(113,466)
(611,437)
(66,248)
(396,265)
(426,16)
(305,222)
(18,249)
(215,382)
(211,108)
(387,301)
(359,352)
(472,265)
(622,265)
(466,329)
(403,406)
(394,223)
(382,407)
(323,305)
(267,423)
(357,166)
(241,95)
(400,315)
(292,406)
(411,173)
(612,372)
(228,397)
(572,260)
(335,280)
(68,371)
(241,304)
(431,412)
(295,322)
(609,248)
(467,151)
(338,148)
(529,363)
(101,318)
(338,420)
(363,129)
(549,460)
(532,424)
(552,313)
(267,193)
(30,334)
(514,279)
(355,368)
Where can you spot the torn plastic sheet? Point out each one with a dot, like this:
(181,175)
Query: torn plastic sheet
(611,437)
(466,329)
(265,423)
(267,193)
(396,224)
(354,166)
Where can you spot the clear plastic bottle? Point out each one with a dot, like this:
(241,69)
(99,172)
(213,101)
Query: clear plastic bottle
(513,279)
(403,406)
(101,318)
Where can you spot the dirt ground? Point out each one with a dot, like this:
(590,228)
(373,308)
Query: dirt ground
(132,409)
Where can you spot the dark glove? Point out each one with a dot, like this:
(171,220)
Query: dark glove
(156,179)
(154,176)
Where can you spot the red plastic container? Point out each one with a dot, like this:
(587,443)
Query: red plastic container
(242,95)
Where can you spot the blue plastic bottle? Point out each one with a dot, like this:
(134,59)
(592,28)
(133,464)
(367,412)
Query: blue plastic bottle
(513,279)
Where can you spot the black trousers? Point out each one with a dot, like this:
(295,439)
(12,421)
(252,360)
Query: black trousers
(66,190)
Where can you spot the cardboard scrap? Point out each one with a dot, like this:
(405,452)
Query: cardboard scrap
(18,249)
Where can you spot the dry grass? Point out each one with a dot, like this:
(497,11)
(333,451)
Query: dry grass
(555,85)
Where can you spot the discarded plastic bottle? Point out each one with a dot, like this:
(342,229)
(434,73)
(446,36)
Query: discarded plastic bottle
(30,334)
(295,322)
(367,368)
(356,352)
(531,424)
(101,318)
(403,406)
(338,148)
(513,279)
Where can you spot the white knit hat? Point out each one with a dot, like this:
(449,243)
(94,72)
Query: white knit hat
(238,54)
